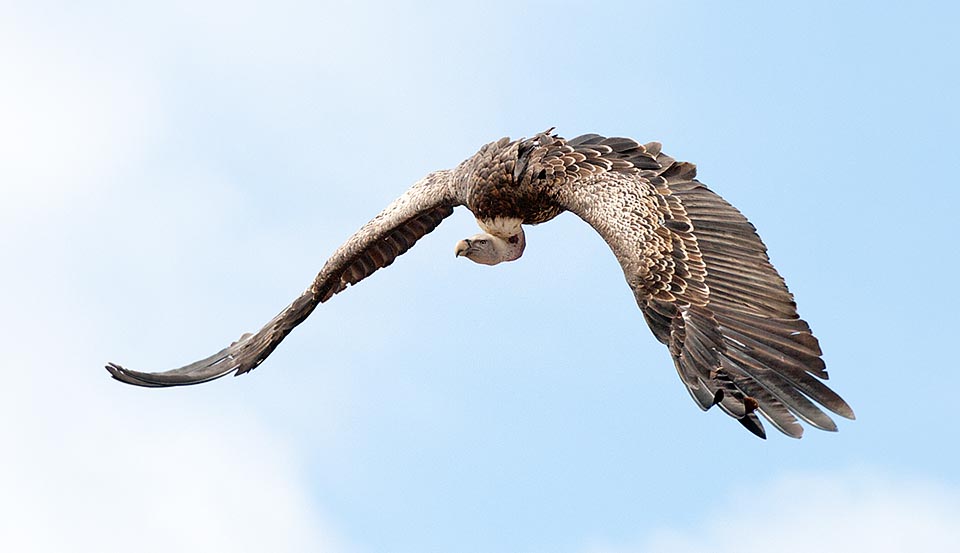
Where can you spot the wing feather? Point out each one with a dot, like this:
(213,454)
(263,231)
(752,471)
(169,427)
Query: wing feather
(376,245)
(706,287)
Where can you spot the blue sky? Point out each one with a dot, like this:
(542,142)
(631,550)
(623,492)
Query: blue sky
(174,173)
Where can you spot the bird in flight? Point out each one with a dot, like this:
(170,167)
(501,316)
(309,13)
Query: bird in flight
(698,270)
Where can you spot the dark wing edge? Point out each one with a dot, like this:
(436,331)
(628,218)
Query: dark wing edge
(375,246)
(714,298)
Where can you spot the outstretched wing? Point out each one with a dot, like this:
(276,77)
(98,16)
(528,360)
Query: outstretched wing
(390,234)
(702,278)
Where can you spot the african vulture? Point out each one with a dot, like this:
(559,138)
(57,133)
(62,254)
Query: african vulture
(698,270)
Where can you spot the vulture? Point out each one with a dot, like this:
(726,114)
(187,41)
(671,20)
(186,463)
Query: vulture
(697,268)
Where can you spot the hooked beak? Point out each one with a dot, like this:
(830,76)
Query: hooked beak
(463,247)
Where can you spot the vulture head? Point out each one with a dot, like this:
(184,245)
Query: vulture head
(488,249)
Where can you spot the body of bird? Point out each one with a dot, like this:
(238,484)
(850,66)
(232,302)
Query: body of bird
(698,270)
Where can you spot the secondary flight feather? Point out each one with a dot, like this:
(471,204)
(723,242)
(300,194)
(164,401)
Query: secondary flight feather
(698,270)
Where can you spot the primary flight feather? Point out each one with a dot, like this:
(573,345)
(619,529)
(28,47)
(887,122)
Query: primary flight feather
(697,268)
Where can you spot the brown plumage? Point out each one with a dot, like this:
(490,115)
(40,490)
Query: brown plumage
(697,268)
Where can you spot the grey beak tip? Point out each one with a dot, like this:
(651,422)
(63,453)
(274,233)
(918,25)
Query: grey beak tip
(462,247)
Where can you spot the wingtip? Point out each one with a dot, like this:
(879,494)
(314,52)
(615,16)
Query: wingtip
(116,371)
(846,412)
(752,423)
(127,376)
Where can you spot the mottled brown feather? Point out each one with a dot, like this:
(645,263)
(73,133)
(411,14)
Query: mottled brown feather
(767,355)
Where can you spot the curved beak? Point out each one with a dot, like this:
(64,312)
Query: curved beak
(462,247)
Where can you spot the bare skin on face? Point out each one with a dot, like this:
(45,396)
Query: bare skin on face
(502,241)
(487,249)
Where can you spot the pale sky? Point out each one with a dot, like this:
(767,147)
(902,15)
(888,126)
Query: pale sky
(174,173)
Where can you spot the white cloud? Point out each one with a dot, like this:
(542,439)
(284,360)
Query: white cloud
(88,464)
(854,511)
(85,470)
(71,119)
